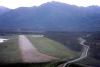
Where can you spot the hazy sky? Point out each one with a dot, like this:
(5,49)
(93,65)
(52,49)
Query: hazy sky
(27,3)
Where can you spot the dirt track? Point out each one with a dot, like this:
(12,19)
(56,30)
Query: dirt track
(30,53)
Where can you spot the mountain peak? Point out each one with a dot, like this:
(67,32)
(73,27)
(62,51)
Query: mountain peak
(50,16)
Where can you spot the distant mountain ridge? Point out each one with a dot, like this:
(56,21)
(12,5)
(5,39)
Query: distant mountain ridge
(52,16)
(3,10)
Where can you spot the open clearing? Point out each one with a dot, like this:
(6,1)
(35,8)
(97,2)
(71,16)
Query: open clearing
(9,51)
(46,50)
(30,53)
(52,48)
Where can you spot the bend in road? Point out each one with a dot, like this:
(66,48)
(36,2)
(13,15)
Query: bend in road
(83,55)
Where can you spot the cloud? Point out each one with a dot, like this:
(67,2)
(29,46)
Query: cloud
(81,2)
(27,3)
(19,3)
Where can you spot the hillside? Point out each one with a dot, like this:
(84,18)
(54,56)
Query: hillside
(96,24)
(51,16)
(3,10)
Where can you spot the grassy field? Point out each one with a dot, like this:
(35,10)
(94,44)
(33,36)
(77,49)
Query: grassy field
(9,51)
(52,48)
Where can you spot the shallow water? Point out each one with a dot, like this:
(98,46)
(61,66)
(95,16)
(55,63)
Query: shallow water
(2,40)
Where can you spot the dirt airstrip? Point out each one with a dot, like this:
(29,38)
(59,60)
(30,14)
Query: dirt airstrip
(30,54)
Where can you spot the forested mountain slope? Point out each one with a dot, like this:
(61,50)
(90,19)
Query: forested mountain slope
(51,16)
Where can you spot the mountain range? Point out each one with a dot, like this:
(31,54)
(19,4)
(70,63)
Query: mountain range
(3,10)
(52,16)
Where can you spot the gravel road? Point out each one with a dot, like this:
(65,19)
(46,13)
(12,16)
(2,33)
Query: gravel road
(83,55)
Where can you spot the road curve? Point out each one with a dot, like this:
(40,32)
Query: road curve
(83,55)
